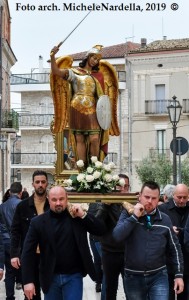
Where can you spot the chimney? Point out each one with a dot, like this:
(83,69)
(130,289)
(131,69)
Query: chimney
(143,42)
(40,64)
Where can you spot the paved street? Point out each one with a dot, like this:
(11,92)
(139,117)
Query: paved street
(88,293)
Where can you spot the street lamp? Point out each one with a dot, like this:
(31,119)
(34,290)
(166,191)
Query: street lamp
(174,110)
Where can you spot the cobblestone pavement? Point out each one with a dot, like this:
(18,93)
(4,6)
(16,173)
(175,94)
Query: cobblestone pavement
(88,293)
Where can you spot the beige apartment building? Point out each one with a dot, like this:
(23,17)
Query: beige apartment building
(157,72)
(8,117)
(149,76)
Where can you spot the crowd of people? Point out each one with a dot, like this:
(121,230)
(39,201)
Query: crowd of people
(48,245)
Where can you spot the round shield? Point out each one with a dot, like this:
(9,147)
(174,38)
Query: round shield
(103,112)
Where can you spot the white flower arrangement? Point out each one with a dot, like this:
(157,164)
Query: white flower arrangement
(96,178)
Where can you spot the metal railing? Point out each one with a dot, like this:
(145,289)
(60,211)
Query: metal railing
(31,78)
(185,106)
(9,119)
(26,119)
(160,106)
(36,78)
(111,157)
(33,158)
(156,106)
(154,152)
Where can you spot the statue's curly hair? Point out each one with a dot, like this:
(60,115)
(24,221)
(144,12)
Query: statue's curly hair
(82,64)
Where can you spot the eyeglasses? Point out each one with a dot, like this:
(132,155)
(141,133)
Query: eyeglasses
(148,222)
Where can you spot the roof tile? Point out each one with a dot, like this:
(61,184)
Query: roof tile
(115,51)
(164,45)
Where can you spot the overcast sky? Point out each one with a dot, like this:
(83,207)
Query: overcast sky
(35,32)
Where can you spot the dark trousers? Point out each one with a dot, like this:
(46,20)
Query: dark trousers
(185,294)
(97,260)
(147,287)
(10,274)
(36,281)
(113,266)
(18,276)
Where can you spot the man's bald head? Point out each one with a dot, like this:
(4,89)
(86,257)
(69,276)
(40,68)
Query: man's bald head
(181,194)
(57,199)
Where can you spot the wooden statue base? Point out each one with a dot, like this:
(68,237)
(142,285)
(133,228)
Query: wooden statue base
(114,197)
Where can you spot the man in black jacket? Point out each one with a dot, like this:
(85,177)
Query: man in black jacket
(65,257)
(96,250)
(112,251)
(25,211)
(177,209)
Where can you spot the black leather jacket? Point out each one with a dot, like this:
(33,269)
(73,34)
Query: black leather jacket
(25,211)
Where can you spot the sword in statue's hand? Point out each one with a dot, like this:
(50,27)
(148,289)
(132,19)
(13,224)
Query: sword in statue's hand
(60,44)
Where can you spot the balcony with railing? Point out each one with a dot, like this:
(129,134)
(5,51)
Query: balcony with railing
(154,152)
(41,120)
(33,159)
(39,78)
(157,107)
(9,120)
(185,106)
(30,78)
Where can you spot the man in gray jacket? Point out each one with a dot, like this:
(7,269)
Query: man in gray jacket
(148,235)
(7,210)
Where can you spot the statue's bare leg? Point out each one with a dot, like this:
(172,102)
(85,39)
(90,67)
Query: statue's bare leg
(94,142)
(81,147)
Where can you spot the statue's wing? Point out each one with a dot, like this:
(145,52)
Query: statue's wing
(111,89)
(61,93)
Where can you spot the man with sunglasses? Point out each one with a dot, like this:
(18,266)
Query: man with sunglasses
(177,209)
(148,235)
